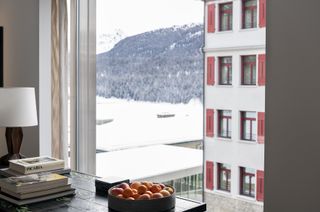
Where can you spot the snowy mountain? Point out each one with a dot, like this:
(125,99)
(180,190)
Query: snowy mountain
(164,65)
(105,42)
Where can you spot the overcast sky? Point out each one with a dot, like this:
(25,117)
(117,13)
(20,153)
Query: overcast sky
(137,16)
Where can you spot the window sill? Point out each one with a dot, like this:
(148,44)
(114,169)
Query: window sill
(224,139)
(224,86)
(248,86)
(224,32)
(247,142)
(249,29)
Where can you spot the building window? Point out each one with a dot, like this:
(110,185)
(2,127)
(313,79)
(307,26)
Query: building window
(224,177)
(225,14)
(225,70)
(224,125)
(249,14)
(247,182)
(248,70)
(248,126)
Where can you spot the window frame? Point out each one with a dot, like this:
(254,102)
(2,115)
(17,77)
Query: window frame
(242,128)
(253,72)
(252,184)
(228,174)
(230,16)
(251,9)
(221,117)
(229,70)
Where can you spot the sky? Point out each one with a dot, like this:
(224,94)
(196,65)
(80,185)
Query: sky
(137,16)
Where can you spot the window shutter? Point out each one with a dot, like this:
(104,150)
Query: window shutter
(262,70)
(260,186)
(262,13)
(261,127)
(211,17)
(209,122)
(210,70)
(209,175)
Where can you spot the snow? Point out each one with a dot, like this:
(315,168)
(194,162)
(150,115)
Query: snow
(172,46)
(158,163)
(136,124)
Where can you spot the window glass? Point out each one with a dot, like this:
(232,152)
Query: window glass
(249,126)
(224,177)
(248,182)
(249,14)
(225,16)
(225,125)
(225,70)
(249,70)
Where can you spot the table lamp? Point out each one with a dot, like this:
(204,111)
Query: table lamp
(17,109)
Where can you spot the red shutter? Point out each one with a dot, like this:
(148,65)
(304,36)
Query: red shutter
(209,175)
(261,127)
(211,17)
(262,70)
(210,70)
(262,13)
(209,122)
(260,186)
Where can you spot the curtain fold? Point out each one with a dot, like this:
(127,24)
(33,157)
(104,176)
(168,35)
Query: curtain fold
(59,76)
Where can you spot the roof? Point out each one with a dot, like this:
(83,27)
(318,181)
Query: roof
(157,163)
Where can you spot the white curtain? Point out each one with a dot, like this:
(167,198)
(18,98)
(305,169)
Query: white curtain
(59,76)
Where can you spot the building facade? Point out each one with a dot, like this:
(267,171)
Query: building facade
(235,40)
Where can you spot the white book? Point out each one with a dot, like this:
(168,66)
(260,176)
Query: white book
(36,164)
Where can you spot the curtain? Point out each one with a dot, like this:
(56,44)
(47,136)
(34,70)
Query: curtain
(59,79)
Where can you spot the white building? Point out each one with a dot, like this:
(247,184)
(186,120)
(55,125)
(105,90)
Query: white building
(235,38)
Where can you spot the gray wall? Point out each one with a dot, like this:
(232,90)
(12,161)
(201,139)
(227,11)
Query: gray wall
(20,19)
(292,168)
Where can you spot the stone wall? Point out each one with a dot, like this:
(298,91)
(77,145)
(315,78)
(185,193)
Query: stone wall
(219,203)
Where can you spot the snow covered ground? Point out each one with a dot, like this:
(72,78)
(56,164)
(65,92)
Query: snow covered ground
(136,123)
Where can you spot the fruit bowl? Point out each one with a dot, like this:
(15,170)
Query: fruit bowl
(141,196)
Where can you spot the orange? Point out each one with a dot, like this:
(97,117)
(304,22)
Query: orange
(142,189)
(155,188)
(127,193)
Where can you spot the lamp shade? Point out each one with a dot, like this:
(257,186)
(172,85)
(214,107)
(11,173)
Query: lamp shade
(18,107)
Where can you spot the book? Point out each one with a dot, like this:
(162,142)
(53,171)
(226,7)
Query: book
(19,202)
(36,164)
(6,172)
(33,182)
(37,193)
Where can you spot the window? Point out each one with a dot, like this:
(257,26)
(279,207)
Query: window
(247,182)
(225,14)
(249,14)
(224,177)
(248,74)
(224,125)
(248,126)
(225,70)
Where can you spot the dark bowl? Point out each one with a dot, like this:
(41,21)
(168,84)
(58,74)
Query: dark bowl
(155,205)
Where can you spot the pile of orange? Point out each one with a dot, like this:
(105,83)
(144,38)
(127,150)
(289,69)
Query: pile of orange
(141,191)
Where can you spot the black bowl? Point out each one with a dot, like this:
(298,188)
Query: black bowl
(155,205)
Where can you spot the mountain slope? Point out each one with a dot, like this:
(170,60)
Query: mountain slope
(164,65)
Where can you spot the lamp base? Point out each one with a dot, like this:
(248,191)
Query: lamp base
(4,160)
(14,137)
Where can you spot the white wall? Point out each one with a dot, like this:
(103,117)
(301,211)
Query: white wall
(235,97)
(21,57)
(237,38)
(292,180)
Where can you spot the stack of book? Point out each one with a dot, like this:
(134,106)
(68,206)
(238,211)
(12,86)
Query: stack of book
(36,180)
(34,165)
